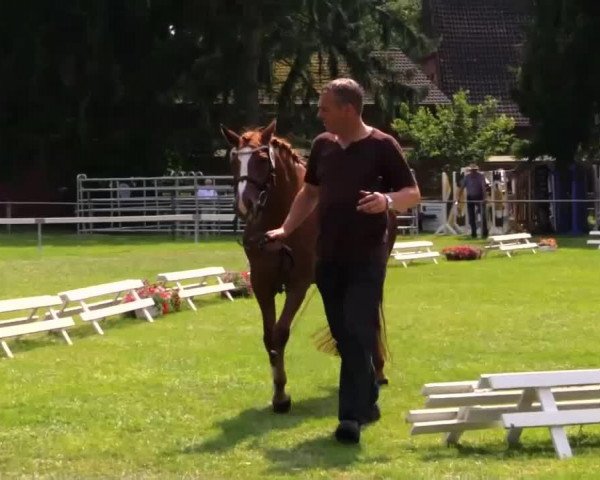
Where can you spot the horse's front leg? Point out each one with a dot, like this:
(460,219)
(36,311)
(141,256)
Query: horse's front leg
(266,302)
(282,402)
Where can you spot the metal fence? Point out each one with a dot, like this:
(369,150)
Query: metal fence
(209,198)
(151,205)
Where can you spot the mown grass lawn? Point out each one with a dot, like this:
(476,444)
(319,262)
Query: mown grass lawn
(187,396)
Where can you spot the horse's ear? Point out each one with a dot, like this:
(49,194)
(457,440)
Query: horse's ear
(267,132)
(231,137)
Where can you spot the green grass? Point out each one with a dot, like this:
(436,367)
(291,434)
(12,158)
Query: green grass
(187,396)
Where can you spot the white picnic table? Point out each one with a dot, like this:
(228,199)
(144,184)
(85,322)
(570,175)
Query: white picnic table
(511,242)
(406,252)
(97,302)
(39,316)
(551,399)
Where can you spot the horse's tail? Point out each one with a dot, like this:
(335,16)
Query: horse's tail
(326,343)
(382,351)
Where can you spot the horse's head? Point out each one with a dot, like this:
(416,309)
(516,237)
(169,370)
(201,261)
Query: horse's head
(253,168)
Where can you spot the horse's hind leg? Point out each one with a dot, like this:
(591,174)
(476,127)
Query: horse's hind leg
(293,299)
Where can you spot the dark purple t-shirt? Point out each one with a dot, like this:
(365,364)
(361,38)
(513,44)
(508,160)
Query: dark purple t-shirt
(374,163)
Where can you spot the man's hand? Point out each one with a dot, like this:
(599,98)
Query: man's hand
(372,202)
(277,234)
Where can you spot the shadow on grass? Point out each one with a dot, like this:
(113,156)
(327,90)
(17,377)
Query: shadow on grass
(500,451)
(255,422)
(252,424)
(317,453)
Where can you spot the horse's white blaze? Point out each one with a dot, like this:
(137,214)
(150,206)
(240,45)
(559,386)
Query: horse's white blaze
(244,156)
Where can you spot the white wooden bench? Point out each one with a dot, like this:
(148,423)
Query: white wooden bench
(199,283)
(514,401)
(408,251)
(31,323)
(596,240)
(511,242)
(93,305)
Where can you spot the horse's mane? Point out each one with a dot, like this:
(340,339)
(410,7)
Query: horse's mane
(286,148)
(253,137)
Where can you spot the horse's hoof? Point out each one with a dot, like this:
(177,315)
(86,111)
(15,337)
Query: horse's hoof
(282,407)
(382,381)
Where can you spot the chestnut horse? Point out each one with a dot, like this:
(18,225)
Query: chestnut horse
(267,176)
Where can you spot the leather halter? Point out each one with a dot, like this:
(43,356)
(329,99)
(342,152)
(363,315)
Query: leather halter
(264,185)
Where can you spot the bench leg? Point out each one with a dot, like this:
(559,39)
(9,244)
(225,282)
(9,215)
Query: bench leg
(97,327)
(66,336)
(7,350)
(453,437)
(558,434)
(524,405)
(191,304)
(147,315)
(227,294)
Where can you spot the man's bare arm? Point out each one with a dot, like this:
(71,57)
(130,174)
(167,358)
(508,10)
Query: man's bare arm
(305,202)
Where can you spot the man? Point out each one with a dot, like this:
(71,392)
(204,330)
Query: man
(475,184)
(355,173)
(208,191)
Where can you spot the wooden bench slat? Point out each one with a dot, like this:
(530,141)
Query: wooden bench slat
(188,274)
(563,378)
(117,309)
(35,327)
(517,246)
(16,304)
(448,387)
(444,426)
(507,396)
(203,290)
(551,419)
(416,255)
(481,413)
(98,290)
(415,244)
(509,237)
(431,415)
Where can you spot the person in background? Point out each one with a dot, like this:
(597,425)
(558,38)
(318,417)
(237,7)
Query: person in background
(475,185)
(208,191)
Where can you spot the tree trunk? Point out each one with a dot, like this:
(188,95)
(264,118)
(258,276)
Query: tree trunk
(246,91)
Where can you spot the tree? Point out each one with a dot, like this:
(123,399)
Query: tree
(558,80)
(451,136)
(348,31)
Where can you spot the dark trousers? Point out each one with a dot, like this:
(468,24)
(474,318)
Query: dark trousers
(351,293)
(475,205)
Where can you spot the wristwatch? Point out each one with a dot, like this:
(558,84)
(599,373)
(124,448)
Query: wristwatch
(390,201)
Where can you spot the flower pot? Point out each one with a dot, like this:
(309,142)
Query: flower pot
(237,292)
(153,311)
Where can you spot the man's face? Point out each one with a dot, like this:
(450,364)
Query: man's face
(334,114)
